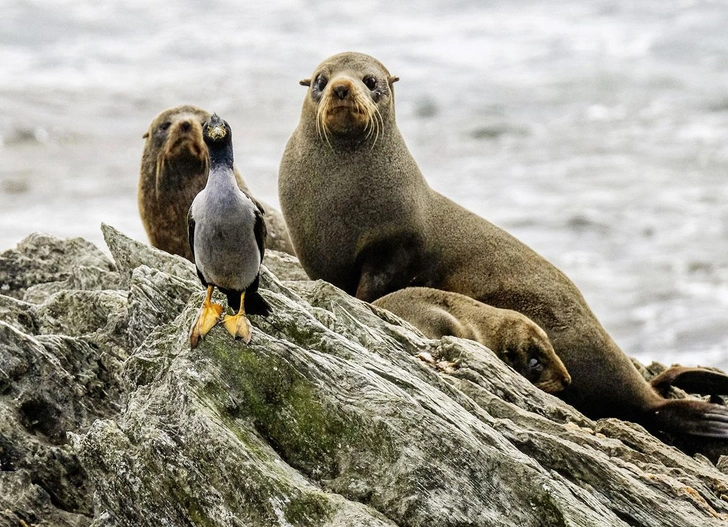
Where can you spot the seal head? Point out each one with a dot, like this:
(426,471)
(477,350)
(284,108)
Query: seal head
(349,98)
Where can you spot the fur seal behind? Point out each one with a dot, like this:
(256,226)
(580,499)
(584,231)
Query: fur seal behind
(511,336)
(174,169)
(362,216)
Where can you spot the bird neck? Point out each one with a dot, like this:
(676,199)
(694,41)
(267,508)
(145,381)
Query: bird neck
(221,164)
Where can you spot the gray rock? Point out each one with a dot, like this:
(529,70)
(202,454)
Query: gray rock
(329,417)
(43,259)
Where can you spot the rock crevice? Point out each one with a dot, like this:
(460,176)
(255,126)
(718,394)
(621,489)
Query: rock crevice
(327,418)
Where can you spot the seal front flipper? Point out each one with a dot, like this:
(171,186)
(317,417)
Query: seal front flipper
(685,418)
(388,265)
(692,380)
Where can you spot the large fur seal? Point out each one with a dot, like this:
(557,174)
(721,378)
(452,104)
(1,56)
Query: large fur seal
(362,216)
(173,171)
(513,337)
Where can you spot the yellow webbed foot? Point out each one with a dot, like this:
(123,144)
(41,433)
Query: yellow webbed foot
(238,326)
(208,316)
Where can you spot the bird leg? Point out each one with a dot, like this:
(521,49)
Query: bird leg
(206,319)
(237,325)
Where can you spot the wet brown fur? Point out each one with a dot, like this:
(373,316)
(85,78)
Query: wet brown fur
(513,337)
(173,170)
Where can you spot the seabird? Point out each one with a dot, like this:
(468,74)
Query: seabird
(227,236)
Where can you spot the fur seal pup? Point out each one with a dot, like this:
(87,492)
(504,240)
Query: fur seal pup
(227,240)
(173,170)
(361,216)
(511,336)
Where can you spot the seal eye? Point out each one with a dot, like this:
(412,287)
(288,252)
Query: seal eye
(320,83)
(535,365)
(370,82)
(165,125)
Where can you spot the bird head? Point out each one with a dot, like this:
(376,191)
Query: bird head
(216,131)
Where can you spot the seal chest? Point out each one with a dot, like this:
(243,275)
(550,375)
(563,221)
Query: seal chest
(227,239)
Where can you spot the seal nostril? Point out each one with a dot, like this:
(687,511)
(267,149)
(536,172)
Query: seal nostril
(341,91)
(186,126)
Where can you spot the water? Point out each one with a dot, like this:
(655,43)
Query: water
(596,132)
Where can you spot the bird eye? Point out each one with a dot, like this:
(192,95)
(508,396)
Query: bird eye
(165,125)
(320,83)
(370,82)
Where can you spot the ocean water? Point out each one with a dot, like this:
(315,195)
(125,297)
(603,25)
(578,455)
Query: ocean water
(596,132)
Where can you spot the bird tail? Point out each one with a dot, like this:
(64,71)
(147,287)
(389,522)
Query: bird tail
(690,418)
(255,304)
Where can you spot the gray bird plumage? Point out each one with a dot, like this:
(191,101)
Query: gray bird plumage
(227,238)
(225,247)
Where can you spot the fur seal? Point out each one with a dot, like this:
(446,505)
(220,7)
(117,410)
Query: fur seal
(362,216)
(514,338)
(173,171)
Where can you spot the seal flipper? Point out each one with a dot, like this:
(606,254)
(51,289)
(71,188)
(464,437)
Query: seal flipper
(689,418)
(692,380)
(389,264)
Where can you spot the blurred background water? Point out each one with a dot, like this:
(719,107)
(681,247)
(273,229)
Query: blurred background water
(596,132)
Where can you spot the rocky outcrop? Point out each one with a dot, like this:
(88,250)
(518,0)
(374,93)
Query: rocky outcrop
(330,417)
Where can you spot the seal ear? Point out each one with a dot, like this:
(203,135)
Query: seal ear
(145,135)
(305,82)
(392,79)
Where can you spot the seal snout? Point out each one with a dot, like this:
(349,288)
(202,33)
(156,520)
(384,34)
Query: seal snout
(341,89)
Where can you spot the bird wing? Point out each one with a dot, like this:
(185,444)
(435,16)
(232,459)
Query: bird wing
(191,238)
(257,203)
(191,232)
(260,230)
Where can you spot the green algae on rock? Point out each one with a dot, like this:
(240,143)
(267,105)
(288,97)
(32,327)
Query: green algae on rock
(327,418)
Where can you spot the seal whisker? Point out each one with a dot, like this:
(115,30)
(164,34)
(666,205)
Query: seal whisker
(159,175)
(321,127)
(378,121)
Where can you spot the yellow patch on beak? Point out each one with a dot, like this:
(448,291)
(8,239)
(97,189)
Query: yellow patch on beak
(217,133)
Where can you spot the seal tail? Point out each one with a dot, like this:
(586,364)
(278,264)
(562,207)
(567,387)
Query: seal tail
(684,417)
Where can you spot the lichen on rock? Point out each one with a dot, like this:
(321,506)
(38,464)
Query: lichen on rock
(327,418)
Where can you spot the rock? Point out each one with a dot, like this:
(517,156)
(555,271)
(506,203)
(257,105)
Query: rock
(327,418)
(42,259)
